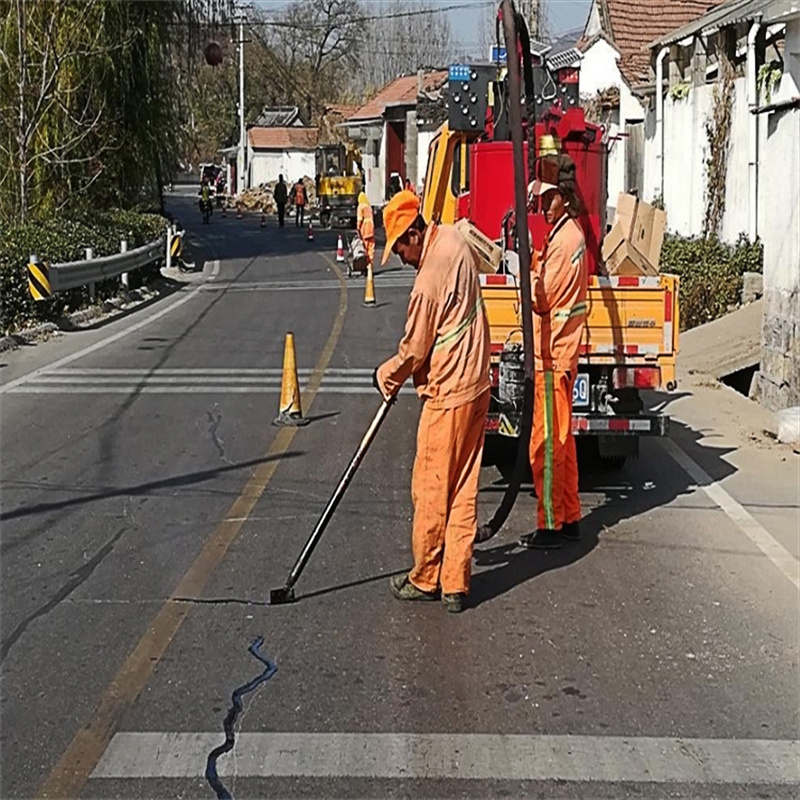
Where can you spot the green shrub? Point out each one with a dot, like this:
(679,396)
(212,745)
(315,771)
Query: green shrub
(710,272)
(60,240)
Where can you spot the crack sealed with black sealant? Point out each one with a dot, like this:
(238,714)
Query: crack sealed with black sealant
(230,719)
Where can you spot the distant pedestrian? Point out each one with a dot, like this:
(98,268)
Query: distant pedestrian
(280,194)
(300,197)
(365,225)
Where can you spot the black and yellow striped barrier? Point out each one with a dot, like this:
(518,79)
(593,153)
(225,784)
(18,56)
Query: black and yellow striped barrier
(176,245)
(39,279)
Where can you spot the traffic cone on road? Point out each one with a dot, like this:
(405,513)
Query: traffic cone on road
(310,231)
(290,411)
(263,218)
(369,290)
(239,211)
(340,249)
(224,209)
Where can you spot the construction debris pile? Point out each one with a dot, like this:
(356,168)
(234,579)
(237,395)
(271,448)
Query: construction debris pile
(260,198)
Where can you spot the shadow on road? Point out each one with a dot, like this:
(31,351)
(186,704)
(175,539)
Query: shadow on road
(188,479)
(629,493)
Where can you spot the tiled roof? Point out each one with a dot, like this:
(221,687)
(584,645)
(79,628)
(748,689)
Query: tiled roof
(278,117)
(282,138)
(342,109)
(399,91)
(636,23)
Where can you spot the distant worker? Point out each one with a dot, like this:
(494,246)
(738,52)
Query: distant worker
(395,184)
(280,194)
(365,225)
(446,348)
(300,197)
(205,200)
(410,186)
(559,288)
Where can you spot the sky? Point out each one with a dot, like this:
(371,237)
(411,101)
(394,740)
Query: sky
(466,21)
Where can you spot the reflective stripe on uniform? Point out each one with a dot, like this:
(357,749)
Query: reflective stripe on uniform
(547,500)
(457,332)
(567,313)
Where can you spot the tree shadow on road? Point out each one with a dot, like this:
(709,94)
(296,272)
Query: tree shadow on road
(651,482)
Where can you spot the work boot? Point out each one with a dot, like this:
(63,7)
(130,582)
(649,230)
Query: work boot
(454,603)
(403,589)
(542,539)
(571,531)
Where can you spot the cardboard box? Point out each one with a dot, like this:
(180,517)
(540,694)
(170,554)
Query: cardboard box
(488,252)
(633,245)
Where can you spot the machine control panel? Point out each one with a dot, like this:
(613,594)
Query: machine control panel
(468,87)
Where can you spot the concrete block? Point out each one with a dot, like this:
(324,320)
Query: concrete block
(752,286)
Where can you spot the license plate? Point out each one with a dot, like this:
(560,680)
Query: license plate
(580,391)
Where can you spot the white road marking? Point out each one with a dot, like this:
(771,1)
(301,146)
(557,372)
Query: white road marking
(456,756)
(750,526)
(62,362)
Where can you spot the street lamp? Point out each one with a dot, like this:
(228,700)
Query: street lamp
(241,165)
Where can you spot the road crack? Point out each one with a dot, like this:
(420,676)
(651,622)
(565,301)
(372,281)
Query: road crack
(230,719)
(214,421)
(76,578)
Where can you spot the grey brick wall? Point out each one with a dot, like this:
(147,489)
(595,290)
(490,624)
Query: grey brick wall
(778,381)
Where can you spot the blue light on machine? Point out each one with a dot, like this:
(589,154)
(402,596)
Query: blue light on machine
(498,55)
(459,72)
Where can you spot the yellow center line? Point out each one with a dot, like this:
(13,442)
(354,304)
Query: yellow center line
(73,769)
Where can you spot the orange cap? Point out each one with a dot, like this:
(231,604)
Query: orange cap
(398,214)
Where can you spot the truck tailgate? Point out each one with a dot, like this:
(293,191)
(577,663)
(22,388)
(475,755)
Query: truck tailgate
(630,321)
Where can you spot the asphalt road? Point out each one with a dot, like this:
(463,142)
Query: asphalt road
(149,506)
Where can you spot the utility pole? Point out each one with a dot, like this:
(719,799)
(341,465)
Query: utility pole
(241,166)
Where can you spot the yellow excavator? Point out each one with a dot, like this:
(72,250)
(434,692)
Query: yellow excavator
(339,181)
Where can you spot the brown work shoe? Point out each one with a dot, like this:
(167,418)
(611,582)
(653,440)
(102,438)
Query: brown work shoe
(403,589)
(542,539)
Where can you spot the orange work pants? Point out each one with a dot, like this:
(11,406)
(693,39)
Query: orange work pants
(444,488)
(369,246)
(552,452)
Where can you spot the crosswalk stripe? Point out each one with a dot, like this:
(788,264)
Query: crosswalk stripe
(294,286)
(456,756)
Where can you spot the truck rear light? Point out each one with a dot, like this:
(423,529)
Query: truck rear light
(494,375)
(637,378)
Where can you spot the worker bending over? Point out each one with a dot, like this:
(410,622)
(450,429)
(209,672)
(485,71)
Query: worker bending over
(446,348)
(365,225)
(558,288)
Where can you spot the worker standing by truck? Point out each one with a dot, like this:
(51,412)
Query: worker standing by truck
(280,194)
(446,347)
(365,225)
(559,284)
(300,198)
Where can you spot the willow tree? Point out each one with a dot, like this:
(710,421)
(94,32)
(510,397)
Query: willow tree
(87,100)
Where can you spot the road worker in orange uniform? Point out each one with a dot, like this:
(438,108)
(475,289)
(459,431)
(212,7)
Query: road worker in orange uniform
(446,349)
(559,284)
(365,225)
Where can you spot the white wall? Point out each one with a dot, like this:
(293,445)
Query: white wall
(266,165)
(424,139)
(685,153)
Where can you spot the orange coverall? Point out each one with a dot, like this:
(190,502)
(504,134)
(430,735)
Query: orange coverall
(559,287)
(446,347)
(365,225)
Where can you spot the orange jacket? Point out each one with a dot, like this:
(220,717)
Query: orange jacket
(446,346)
(365,222)
(559,283)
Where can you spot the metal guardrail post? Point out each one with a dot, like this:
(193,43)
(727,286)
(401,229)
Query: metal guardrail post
(123,248)
(89,257)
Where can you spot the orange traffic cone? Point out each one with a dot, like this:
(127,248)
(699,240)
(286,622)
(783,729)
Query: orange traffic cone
(310,232)
(369,290)
(290,412)
(340,249)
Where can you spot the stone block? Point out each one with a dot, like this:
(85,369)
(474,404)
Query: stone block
(752,286)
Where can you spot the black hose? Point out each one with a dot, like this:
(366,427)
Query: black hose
(510,22)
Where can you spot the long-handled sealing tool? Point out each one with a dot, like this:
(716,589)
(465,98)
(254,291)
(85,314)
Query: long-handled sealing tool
(286,593)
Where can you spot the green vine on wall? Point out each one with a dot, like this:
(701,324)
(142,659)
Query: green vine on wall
(679,91)
(718,135)
(769,75)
